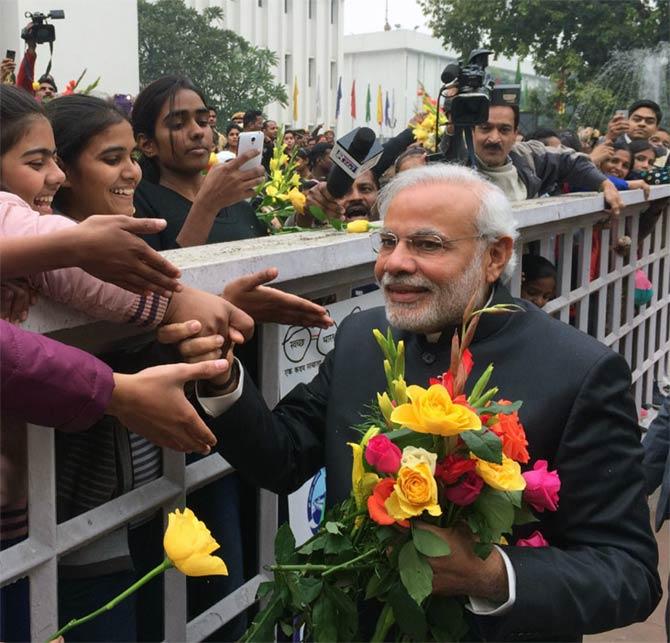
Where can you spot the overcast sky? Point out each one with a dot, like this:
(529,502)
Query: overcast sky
(365,16)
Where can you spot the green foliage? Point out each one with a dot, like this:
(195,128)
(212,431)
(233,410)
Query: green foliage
(415,573)
(428,543)
(234,75)
(568,41)
(484,444)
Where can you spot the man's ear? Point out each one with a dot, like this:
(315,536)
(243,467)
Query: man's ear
(496,257)
(147,146)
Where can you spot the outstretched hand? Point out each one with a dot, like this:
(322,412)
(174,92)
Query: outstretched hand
(152,404)
(267,304)
(16,298)
(107,246)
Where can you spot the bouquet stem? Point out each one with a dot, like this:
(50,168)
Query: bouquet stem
(166,564)
(384,622)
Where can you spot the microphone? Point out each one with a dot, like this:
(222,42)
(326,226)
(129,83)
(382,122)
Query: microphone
(353,154)
(450,73)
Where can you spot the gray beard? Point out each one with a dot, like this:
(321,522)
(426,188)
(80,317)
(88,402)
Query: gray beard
(445,304)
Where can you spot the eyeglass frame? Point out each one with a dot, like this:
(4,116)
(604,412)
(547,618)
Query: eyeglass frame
(377,234)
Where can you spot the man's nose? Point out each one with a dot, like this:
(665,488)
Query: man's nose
(400,260)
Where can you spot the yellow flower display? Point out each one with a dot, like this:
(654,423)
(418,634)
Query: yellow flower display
(414,492)
(411,456)
(362,482)
(503,477)
(432,411)
(297,199)
(189,545)
(359,225)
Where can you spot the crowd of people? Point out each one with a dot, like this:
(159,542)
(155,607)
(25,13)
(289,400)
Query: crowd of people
(93,189)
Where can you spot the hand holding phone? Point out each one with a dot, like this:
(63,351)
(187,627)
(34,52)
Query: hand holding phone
(251,141)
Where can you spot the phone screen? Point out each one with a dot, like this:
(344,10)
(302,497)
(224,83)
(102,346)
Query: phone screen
(11,54)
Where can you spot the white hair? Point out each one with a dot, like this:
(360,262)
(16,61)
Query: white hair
(495,218)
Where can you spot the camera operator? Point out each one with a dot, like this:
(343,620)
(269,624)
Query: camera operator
(530,169)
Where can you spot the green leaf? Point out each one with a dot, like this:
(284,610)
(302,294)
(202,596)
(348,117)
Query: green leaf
(428,543)
(337,224)
(483,550)
(505,409)
(284,544)
(484,444)
(497,510)
(408,615)
(333,527)
(304,589)
(286,628)
(324,619)
(398,433)
(347,613)
(423,440)
(380,582)
(524,515)
(415,573)
(318,213)
(515,497)
(384,534)
(446,619)
(336,544)
(479,387)
(311,546)
(264,589)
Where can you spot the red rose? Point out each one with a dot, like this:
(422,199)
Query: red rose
(451,468)
(542,487)
(466,491)
(382,454)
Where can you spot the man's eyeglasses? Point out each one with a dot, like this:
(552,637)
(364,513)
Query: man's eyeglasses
(423,245)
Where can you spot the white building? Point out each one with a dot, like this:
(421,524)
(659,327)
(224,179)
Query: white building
(306,36)
(397,61)
(98,35)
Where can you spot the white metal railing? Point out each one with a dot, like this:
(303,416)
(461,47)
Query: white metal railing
(316,264)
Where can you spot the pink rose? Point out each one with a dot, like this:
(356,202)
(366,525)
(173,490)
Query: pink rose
(383,455)
(542,487)
(536,539)
(466,491)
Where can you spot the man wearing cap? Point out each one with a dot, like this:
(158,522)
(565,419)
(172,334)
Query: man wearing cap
(531,169)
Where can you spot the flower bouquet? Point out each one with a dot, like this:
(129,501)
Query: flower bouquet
(426,455)
(279,196)
(425,121)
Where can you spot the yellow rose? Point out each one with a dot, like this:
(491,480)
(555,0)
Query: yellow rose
(271,190)
(432,411)
(414,492)
(411,456)
(189,544)
(297,199)
(359,225)
(503,477)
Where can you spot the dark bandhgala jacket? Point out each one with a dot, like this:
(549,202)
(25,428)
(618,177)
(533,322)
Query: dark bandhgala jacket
(600,571)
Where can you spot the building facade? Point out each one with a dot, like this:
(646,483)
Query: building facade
(80,41)
(393,64)
(306,36)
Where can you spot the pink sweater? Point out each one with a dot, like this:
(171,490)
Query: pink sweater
(72,286)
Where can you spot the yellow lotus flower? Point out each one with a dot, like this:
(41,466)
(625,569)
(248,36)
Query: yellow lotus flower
(432,411)
(297,199)
(414,492)
(271,190)
(189,544)
(503,477)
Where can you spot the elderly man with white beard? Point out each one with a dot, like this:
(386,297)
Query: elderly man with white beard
(449,234)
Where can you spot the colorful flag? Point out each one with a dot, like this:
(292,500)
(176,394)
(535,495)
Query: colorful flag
(339,98)
(387,111)
(367,105)
(295,99)
(353,99)
(380,108)
(393,118)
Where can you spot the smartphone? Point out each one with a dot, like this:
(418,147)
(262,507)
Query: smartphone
(251,141)
(621,112)
(11,54)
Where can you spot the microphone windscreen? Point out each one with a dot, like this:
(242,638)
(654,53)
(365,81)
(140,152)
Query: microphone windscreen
(339,182)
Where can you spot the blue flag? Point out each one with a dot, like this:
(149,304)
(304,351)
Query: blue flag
(339,98)
(387,108)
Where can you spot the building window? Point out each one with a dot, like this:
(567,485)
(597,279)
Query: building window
(310,9)
(333,74)
(311,72)
(333,11)
(288,70)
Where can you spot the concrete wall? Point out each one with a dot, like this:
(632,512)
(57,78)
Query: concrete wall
(100,35)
